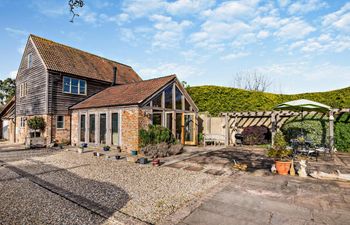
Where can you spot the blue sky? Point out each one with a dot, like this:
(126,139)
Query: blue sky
(302,46)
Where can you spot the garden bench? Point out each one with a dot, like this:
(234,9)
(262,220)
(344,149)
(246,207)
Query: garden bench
(214,138)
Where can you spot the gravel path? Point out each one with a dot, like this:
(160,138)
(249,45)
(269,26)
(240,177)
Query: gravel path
(113,189)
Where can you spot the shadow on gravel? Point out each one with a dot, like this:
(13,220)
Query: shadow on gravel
(255,161)
(100,198)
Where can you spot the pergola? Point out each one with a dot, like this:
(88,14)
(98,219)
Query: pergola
(274,120)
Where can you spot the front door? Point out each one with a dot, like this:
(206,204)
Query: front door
(189,129)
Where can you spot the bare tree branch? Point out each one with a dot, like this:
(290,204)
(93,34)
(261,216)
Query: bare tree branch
(73,4)
(252,81)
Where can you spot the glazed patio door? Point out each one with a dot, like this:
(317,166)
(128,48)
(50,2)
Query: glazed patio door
(115,129)
(103,128)
(189,129)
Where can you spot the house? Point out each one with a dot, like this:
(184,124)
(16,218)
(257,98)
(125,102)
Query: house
(7,116)
(85,98)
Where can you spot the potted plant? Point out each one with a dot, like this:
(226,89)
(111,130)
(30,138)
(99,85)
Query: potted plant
(37,125)
(106,148)
(281,154)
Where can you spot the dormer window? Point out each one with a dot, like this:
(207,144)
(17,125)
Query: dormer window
(30,60)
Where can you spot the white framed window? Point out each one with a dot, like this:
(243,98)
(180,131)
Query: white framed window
(30,60)
(60,122)
(74,86)
(23,90)
(23,122)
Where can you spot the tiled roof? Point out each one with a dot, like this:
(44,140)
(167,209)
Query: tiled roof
(62,58)
(127,94)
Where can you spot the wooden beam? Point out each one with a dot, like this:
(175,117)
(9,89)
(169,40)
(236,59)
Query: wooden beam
(227,129)
(331,131)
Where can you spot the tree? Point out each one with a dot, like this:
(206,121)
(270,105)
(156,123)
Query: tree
(7,90)
(73,4)
(185,84)
(252,81)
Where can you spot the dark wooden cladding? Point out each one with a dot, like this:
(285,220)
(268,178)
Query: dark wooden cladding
(36,77)
(59,102)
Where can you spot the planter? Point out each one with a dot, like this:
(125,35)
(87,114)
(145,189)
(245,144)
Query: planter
(283,167)
(83,145)
(133,152)
(155,162)
(143,160)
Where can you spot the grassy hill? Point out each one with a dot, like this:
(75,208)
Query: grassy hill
(216,99)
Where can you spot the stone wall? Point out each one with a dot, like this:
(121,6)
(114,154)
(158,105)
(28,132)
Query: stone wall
(133,119)
(23,132)
(61,135)
(75,127)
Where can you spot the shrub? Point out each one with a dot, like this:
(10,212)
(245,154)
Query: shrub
(315,130)
(256,135)
(342,136)
(36,123)
(279,149)
(155,134)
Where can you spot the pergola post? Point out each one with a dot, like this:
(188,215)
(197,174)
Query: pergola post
(331,130)
(273,127)
(227,131)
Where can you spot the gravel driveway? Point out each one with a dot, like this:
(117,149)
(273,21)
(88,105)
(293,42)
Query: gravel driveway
(60,187)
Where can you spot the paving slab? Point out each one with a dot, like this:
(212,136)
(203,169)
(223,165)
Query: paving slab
(248,199)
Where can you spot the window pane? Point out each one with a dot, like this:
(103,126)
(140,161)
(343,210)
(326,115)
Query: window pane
(92,128)
(30,60)
(157,101)
(60,121)
(169,97)
(187,105)
(82,87)
(115,130)
(82,128)
(66,84)
(103,128)
(74,86)
(157,119)
(178,99)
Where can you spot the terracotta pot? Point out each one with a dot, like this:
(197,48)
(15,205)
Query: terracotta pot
(283,167)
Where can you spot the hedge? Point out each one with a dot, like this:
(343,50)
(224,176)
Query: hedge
(215,99)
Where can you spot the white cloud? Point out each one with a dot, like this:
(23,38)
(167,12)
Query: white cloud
(263,34)
(305,6)
(235,56)
(169,32)
(16,32)
(294,29)
(283,3)
(11,74)
(297,77)
(323,43)
(181,70)
(215,32)
(188,6)
(230,10)
(140,8)
(339,20)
